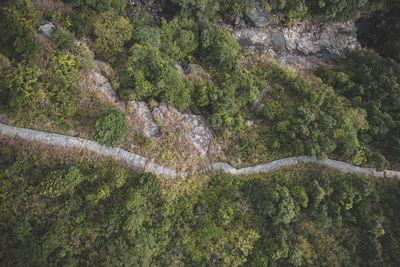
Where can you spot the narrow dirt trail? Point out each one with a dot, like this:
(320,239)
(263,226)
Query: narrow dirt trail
(138,161)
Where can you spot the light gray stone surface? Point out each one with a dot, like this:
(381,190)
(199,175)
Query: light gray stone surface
(257,16)
(101,84)
(137,161)
(140,109)
(197,133)
(304,46)
(47,29)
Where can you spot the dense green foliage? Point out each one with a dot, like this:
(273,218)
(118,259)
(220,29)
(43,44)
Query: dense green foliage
(78,214)
(306,118)
(371,83)
(63,40)
(116,6)
(383,31)
(111,128)
(152,74)
(112,32)
(57,213)
(33,93)
(289,12)
(18,24)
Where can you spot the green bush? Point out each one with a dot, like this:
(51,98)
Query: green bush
(116,6)
(146,35)
(152,74)
(25,91)
(82,21)
(112,32)
(111,128)
(63,40)
(180,37)
(232,9)
(19,21)
(218,48)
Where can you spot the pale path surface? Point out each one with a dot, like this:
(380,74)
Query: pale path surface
(146,164)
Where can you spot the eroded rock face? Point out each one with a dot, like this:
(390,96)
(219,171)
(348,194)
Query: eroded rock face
(143,116)
(257,17)
(199,133)
(195,128)
(101,84)
(47,29)
(305,46)
(312,39)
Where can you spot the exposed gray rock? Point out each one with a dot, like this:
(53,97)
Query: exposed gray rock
(141,111)
(257,17)
(47,29)
(248,123)
(313,38)
(304,46)
(101,84)
(239,22)
(179,68)
(197,132)
(141,162)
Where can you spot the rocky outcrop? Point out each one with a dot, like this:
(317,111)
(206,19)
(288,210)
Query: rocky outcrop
(146,164)
(100,83)
(305,46)
(257,16)
(192,128)
(143,116)
(196,130)
(47,29)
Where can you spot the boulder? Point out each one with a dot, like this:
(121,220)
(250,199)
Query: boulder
(141,112)
(100,83)
(197,132)
(257,17)
(47,29)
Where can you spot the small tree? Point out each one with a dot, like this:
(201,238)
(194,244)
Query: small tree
(63,40)
(112,32)
(111,128)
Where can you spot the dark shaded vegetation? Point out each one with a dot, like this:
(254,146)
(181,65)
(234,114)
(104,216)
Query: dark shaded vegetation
(371,83)
(383,33)
(79,214)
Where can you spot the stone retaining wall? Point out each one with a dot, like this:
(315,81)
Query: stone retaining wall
(146,164)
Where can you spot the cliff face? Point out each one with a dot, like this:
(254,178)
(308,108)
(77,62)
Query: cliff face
(304,46)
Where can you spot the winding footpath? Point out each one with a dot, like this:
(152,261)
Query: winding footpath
(148,165)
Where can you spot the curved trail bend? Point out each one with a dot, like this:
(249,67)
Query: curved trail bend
(148,165)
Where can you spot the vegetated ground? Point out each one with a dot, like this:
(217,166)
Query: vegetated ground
(88,210)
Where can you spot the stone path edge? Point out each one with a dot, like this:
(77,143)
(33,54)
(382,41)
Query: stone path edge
(138,161)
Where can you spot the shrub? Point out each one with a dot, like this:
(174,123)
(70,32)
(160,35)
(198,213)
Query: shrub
(63,40)
(116,6)
(218,48)
(82,21)
(18,25)
(25,91)
(179,37)
(146,35)
(148,184)
(112,32)
(152,74)
(111,128)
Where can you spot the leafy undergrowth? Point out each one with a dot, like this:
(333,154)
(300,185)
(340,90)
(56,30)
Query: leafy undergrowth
(57,210)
